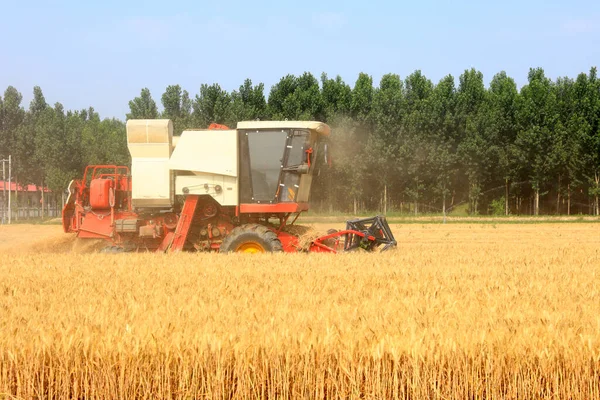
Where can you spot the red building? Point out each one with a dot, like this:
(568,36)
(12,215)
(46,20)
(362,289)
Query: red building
(26,200)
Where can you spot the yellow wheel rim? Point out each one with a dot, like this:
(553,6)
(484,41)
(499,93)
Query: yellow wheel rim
(250,247)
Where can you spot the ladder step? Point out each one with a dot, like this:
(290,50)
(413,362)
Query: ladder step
(185,222)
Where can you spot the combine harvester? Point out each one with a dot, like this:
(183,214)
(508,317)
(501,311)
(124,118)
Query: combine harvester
(216,189)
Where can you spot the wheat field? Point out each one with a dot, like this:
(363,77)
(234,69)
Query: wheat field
(458,311)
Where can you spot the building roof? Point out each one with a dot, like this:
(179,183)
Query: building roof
(22,188)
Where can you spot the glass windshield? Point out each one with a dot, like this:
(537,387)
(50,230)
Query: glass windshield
(289,186)
(266,149)
(299,145)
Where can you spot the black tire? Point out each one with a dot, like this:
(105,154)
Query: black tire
(251,238)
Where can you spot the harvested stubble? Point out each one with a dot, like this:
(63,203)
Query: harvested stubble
(509,317)
(306,234)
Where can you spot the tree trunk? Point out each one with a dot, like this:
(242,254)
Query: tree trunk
(536,206)
(17,197)
(384,199)
(355,206)
(444,205)
(597,179)
(417,198)
(506,197)
(569,199)
(474,197)
(42,215)
(558,197)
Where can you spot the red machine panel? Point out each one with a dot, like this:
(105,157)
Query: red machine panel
(100,193)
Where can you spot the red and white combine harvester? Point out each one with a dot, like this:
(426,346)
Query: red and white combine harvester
(219,189)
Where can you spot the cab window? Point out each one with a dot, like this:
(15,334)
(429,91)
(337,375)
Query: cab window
(266,151)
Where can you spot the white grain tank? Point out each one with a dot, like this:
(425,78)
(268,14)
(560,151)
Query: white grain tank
(150,145)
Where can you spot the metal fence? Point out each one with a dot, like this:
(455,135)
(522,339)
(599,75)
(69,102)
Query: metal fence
(29,212)
(25,213)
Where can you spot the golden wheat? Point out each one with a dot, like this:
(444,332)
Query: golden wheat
(458,311)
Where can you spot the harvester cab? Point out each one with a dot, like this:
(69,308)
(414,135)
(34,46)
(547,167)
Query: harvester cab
(231,190)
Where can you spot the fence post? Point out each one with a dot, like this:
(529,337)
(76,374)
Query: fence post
(9,186)
(3,193)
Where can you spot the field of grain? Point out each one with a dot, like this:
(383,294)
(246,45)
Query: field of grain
(458,311)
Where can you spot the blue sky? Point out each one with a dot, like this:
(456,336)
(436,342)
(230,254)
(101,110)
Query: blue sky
(102,53)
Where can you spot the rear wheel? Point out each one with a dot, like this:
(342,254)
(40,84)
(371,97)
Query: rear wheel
(251,238)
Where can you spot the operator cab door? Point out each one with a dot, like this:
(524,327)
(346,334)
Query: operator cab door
(296,165)
(268,163)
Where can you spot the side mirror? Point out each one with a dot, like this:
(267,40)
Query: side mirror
(326,155)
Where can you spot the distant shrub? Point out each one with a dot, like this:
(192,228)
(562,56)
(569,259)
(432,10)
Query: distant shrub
(497,206)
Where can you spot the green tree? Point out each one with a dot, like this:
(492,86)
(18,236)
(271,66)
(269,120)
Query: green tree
(38,104)
(444,140)
(177,107)
(93,150)
(337,97)
(309,99)
(248,103)
(30,169)
(414,152)
(568,140)
(297,98)
(115,141)
(12,115)
(212,105)
(143,106)
(471,110)
(362,99)
(501,128)
(104,141)
(51,147)
(382,147)
(1,120)
(278,95)
(537,119)
(587,104)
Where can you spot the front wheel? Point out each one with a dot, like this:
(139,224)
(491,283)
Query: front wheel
(251,238)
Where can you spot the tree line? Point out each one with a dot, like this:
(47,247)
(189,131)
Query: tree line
(408,145)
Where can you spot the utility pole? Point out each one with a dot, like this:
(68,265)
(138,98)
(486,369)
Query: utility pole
(4,209)
(3,193)
(9,187)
